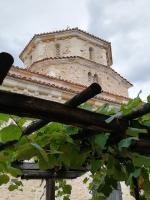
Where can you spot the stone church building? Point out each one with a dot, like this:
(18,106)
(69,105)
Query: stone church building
(58,65)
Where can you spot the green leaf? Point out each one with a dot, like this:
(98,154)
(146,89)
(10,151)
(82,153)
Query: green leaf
(148,99)
(10,133)
(67,189)
(23,152)
(66,197)
(53,161)
(17,182)
(54,127)
(71,130)
(86,106)
(132,104)
(101,139)
(12,187)
(14,171)
(135,131)
(85,180)
(136,173)
(71,154)
(95,165)
(4,179)
(140,160)
(125,143)
(145,119)
(107,109)
(4,117)
(44,161)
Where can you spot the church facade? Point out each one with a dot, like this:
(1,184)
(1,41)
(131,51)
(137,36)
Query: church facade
(59,65)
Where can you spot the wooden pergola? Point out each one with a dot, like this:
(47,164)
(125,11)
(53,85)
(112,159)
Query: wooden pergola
(68,113)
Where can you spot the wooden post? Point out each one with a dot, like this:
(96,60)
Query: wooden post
(50,189)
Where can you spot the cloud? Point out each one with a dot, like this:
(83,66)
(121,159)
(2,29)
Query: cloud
(126,24)
(20,20)
(123,22)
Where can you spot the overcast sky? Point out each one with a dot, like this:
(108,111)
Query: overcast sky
(125,23)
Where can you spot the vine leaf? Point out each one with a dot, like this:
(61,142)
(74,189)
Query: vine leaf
(86,179)
(125,143)
(101,139)
(135,131)
(67,189)
(4,117)
(136,173)
(43,158)
(132,104)
(14,171)
(95,165)
(10,133)
(140,160)
(23,152)
(4,179)
(148,99)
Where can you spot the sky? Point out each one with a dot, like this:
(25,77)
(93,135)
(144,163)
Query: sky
(125,23)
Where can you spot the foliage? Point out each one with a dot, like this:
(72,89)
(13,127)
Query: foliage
(53,147)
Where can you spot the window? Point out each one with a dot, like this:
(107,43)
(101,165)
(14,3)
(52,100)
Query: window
(89,77)
(91,53)
(95,78)
(57,50)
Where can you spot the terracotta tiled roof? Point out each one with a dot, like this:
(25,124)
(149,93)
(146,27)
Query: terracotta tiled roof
(54,78)
(73,29)
(62,88)
(63,31)
(44,75)
(39,82)
(70,57)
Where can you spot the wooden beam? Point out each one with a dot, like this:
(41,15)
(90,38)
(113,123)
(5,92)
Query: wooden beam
(39,174)
(78,99)
(6,61)
(22,105)
(141,146)
(32,171)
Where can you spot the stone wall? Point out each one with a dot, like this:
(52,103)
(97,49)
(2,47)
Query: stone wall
(68,47)
(76,70)
(35,190)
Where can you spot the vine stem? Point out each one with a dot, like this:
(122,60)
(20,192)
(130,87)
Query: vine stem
(136,188)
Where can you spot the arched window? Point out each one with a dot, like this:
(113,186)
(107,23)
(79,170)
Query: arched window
(57,50)
(95,78)
(89,77)
(91,51)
